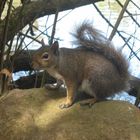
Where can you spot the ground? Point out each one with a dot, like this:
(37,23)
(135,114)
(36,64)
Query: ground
(34,115)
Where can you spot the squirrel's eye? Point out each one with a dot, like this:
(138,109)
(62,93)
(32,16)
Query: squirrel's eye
(45,56)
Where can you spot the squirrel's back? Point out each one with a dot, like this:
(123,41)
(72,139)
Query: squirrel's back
(90,38)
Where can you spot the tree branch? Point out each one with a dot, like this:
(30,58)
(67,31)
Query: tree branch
(2,5)
(36,9)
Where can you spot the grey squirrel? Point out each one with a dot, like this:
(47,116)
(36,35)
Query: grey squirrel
(94,67)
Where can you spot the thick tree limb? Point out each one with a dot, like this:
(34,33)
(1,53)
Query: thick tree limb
(22,61)
(5,31)
(27,82)
(2,5)
(24,15)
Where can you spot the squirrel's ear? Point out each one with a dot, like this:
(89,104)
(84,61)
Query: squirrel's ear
(55,47)
(42,42)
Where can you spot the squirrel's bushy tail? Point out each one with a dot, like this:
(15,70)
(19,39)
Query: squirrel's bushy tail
(90,38)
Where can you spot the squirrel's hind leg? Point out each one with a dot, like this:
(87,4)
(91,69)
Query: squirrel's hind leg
(86,87)
(90,102)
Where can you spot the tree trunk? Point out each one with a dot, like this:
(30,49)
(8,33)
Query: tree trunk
(2,4)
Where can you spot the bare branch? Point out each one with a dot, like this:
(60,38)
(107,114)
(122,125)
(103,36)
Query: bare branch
(119,19)
(35,10)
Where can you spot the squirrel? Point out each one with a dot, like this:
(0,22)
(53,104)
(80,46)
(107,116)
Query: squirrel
(94,67)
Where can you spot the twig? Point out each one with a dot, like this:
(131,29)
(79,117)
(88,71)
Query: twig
(54,26)
(50,26)
(135,4)
(130,35)
(116,31)
(129,14)
(42,32)
(132,15)
(4,39)
(30,37)
(2,5)
(125,43)
(5,34)
(119,19)
(133,44)
(22,39)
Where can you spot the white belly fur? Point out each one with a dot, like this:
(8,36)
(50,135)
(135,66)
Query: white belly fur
(86,87)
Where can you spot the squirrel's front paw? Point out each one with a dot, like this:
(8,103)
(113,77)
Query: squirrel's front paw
(65,105)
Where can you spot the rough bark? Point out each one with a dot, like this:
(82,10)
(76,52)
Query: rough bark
(33,80)
(22,61)
(33,10)
(2,4)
